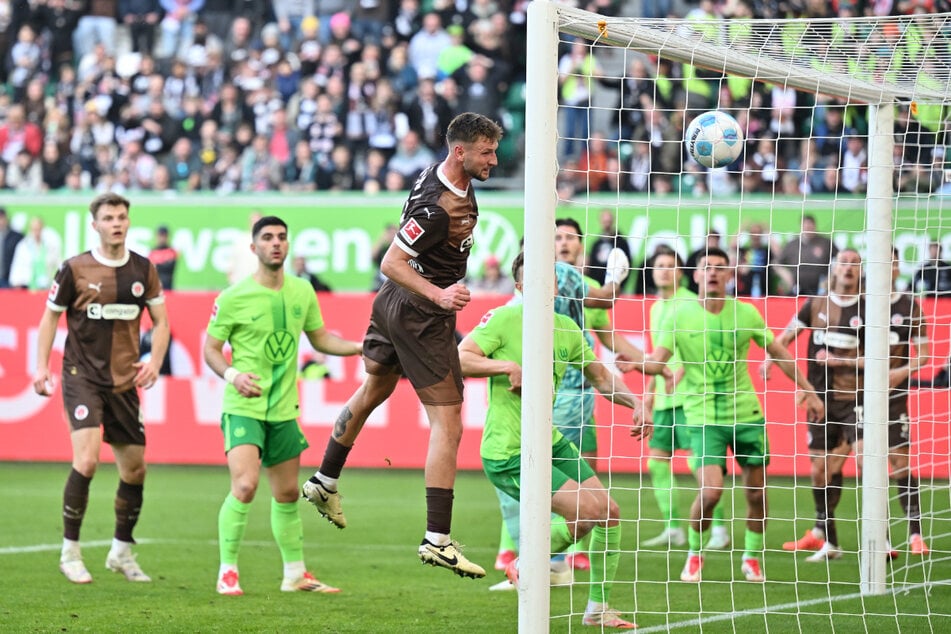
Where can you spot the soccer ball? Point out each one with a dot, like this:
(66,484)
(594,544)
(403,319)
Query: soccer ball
(714,139)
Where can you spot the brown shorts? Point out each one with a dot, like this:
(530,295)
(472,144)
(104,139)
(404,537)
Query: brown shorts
(839,426)
(899,425)
(410,333)
(89,405)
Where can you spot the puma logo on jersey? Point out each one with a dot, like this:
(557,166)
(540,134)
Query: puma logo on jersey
(96,287)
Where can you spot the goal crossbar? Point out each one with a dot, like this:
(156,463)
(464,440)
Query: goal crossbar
(784,51)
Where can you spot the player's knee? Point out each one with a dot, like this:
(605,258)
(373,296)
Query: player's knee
(134,474)
(85,465)
(244,489)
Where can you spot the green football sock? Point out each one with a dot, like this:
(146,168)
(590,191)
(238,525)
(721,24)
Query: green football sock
(232,519)
(505,539)
(605,557)
(560,535)
(288,530)
(583,545)
(694,539)
(753,543)
(509,507)
(667,496)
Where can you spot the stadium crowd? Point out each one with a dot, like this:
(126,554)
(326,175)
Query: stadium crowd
(307,95)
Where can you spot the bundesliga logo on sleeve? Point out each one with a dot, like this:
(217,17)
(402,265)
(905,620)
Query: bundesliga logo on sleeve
(412,231)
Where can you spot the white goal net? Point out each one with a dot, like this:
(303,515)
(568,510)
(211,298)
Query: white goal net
(846,162)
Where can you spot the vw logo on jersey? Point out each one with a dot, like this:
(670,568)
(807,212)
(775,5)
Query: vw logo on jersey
(280,346)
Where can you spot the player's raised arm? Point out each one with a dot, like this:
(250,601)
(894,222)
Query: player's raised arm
(783,340)
(616,391)
(807,396)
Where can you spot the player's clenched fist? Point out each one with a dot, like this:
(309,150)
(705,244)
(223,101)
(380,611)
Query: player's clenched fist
(454,297)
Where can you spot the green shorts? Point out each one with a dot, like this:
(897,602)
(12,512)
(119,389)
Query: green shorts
(277,441)
(566,465)
(748,441)
(670,430)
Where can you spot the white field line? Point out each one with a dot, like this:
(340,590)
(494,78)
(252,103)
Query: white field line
(784,608)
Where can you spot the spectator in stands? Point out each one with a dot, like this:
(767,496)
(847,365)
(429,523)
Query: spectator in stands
(575,71)
(25,60)
(933,279)
(426,45)
(337,174)
(184,166)
(598,166)
(480,88)
(139,164)
(299,269)
(260,171)
(97,26)
(454,56)
(164,257)
(602,242)
(805,260)
(177,28)
(53,167)
(754,276)
(141,18)
(429,115)
(35,259)
(24,174)
(411,157)
(491,280)
(9,238)
(853,175)
(300,172)
(18,134)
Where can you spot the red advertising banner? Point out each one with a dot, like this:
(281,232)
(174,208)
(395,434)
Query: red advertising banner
(182,412)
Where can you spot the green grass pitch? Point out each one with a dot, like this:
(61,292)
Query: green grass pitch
(386,589)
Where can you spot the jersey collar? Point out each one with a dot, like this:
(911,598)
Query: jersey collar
(461,193)
(101,259)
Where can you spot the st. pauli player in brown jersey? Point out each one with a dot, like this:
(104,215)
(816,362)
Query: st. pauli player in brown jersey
(837,325)
(103,292)
(412,332)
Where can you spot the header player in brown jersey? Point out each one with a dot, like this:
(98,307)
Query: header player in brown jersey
(103,292)
(412,332)
(833,366)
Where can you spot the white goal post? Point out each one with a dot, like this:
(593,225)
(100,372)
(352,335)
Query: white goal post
(823,60)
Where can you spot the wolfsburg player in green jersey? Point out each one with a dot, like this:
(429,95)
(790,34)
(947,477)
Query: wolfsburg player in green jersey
(494,349)
(262,317)
(670,432)
(713,338)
